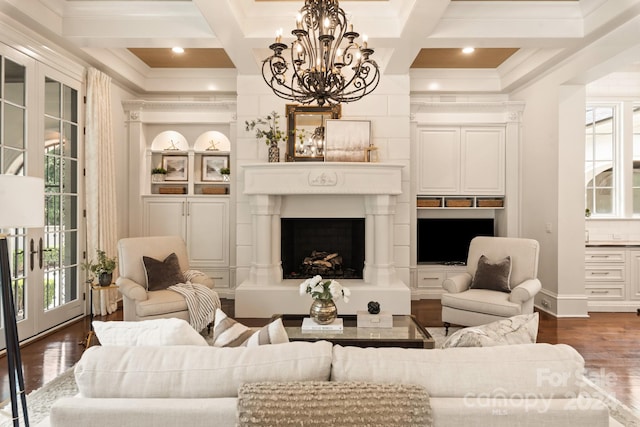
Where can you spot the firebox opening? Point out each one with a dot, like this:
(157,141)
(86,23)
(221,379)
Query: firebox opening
(331,247)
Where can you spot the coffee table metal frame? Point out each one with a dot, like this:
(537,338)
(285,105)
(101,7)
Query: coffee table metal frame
(405,333)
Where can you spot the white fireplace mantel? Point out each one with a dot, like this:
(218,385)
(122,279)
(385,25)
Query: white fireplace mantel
(323,178)
(374,187)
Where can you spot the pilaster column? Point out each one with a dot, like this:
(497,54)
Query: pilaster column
(381,268)
(265,268)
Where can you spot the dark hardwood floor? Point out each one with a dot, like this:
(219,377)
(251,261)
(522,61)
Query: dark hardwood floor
(609,343)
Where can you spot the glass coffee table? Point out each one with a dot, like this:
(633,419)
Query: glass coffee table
(405,333)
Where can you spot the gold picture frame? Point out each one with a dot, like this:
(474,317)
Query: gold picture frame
(305,131)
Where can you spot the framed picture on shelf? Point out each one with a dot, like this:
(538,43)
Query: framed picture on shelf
(177,167)
(347,140)
(212,167)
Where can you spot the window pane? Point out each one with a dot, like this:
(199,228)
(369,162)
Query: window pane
(69,213)
(51,132)
(604,147)
(604,201)
(14,81)
(70,101)
(13,161)
(14,126)
(69,171)
(636,201)
(52,98)
(588,147)
(605,179)
(52,210)
(52,173)
(69,140)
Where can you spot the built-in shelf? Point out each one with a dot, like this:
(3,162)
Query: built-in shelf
(459,202)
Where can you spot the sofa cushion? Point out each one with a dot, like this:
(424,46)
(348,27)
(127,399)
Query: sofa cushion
(494,276)
(521,329)
(162,274)
(227,332)
(354,404)
(542,370)
(147,332)
(195,371)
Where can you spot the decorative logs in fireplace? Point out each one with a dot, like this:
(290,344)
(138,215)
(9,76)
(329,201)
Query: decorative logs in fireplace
(325,264)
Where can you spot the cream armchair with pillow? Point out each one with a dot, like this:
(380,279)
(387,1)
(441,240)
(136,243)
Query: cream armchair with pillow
(501,284)
(141,303)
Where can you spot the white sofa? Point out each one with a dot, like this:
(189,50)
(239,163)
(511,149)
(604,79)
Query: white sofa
(523,385)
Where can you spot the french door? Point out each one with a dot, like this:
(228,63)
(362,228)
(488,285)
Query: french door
(39,136)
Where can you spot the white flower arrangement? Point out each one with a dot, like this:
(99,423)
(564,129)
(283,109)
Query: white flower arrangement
(324,289)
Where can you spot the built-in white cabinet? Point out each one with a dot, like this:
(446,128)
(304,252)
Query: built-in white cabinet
(429,279)
(194,199)
(203,222)
(611,278)
(461,160)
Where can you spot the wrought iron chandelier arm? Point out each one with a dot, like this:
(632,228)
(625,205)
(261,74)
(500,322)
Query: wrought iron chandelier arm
(322,69)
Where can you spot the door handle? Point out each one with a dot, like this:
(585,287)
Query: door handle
(40,254)
(33,251)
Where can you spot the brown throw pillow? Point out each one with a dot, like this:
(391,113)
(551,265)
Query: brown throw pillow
(162,274)
(493,276)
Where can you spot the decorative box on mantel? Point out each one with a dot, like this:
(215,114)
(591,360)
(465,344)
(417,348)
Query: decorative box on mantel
(384,319)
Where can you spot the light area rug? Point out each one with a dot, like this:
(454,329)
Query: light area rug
(39,401)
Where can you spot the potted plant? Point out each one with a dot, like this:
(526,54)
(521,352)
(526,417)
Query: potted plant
(158,174)
(323,309)
(271,133)
(225,173)
(102,268)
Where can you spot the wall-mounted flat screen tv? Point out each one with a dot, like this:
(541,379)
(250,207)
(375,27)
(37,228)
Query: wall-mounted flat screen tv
(446,240)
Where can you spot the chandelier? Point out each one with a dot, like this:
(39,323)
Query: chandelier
(327,64)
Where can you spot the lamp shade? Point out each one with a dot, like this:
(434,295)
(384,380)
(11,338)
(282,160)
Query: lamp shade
(21,201)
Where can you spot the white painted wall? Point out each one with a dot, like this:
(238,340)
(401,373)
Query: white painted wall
(552,171)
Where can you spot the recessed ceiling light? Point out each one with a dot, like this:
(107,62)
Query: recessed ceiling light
(177,49)
(468,50)
(434,86)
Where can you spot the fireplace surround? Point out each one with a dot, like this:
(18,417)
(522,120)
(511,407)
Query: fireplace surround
(327,190)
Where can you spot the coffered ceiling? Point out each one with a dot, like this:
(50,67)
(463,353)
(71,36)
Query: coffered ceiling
(515,40)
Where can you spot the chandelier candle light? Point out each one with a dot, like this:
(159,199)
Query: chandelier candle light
(327,64)
(323,309)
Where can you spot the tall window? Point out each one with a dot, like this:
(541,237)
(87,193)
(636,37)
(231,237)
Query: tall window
(61,202)
(600,170)
(612,160)
(12,161)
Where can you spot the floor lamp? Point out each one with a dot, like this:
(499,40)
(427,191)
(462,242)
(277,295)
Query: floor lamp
(21,206)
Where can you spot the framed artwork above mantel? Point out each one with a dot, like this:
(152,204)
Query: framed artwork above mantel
(306,131)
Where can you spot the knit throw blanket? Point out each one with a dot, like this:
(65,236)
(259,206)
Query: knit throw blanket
(336,404)
(202,303)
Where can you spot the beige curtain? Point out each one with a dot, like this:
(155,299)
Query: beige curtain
(102,227)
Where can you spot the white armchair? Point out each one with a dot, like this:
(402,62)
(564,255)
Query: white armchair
(472,307)
(138,303)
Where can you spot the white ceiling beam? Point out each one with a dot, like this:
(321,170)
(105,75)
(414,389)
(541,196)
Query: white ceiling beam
(221,17)
(420,22)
